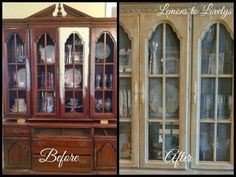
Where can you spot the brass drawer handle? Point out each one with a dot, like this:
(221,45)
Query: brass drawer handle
(17,130)
(41,143)
(82,144)
(83,161)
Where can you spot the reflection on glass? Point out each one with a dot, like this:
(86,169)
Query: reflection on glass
(171,139)
(125,97)
(226,47)
(46,102)
(224,102)
(155,141)
(208,56)
(207,98)
(223,142)
(11,49)
(172,51)
(172,98)
(206,142)
(125,140)
(155,98)
(155,54)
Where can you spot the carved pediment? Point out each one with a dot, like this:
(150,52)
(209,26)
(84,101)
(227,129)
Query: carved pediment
(48,13)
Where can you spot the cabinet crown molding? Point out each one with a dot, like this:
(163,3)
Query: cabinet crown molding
(48,12)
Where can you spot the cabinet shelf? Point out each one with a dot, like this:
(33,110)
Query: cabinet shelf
(48,89)
(73,89)
(125,119)
(217,76)
(17,89)
(46,64)
(162,75)
(19,64)
(101,64)
(125,75)
(75,64)
(100,90)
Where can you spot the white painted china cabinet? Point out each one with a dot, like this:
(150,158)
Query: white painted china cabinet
(175,89)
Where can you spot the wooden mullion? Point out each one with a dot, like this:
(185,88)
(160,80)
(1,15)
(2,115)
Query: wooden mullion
(103,75)
(73,57)
(46,72)
(16,67)
(163,89)
(216,92)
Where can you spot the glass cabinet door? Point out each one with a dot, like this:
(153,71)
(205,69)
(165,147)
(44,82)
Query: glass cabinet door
(45,57)
(128,91)
(163,90)
(163,78)
(17,72)
(103,82)
(74,50)
(213,96)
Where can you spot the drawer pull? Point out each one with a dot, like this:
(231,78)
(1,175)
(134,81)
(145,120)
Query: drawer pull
(17,130)
(41,143)
(83,161)
(82,144)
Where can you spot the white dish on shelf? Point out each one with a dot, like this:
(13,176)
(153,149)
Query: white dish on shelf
(155,100)
(50,52)
(21,78)
(172,98)
(99,50)
(69,78)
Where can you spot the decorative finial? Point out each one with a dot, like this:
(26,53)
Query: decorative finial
(59,13)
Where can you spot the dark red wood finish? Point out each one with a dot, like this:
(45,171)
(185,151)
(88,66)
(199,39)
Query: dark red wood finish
(23,33)
(95,34)
(98,152)
(36,34)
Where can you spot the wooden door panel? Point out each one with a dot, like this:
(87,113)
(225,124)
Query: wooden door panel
(17,153)
(105,153)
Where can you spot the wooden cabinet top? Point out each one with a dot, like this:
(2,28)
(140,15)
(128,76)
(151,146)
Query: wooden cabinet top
(72,18)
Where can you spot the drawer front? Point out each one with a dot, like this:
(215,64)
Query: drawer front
(10,131)
(84,164)
(71,146)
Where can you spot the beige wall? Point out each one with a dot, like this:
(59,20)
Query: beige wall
(23,10)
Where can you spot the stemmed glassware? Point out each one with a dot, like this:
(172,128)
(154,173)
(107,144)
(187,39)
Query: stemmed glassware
(69,54)
(98,104)
(208,105)
(108,79)
(108,105)
(98,80)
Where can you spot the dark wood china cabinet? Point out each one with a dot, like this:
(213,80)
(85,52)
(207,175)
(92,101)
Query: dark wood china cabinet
(60,92)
